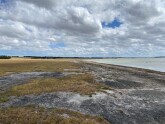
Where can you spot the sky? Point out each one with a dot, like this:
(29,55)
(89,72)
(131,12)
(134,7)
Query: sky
(82,28)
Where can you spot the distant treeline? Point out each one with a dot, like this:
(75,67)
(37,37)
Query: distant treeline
(5,57)
(47,57)
(50,57)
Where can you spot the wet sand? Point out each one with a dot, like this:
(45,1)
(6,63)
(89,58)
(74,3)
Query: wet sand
(137,95)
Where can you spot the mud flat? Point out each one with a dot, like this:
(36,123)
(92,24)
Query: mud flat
(137,96)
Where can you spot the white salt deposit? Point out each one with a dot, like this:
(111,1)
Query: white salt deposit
(109,91)
(99,95)
(78,99)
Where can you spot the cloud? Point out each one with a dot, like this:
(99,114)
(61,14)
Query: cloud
(78,19)
(42,3)
(140,12)
(33,25)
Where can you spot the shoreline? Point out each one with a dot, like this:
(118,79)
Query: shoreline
(125,67)
(156,64)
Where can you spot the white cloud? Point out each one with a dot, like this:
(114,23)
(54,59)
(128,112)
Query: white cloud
(33,24)
(78,19)
(42,3)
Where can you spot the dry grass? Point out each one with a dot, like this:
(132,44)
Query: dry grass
(4,97)
(82,83)
(39,65)
(30,115)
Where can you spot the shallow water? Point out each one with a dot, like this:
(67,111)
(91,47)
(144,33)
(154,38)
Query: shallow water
(157,64)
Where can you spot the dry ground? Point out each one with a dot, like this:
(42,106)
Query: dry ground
(82,83)
(36,65)
(138,95)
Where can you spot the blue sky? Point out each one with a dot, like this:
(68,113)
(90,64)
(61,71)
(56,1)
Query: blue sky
(57,45)
(108,28)
(2,1)
(116,23)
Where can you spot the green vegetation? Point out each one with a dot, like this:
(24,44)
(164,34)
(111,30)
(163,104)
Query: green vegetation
(31,115)
(4,97)
(5,57)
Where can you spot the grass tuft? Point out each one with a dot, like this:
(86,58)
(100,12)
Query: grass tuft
(3,98)
(82,83)
(30,115)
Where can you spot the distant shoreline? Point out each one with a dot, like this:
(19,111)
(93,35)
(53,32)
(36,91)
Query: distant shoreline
(126,68)
(155,64)
(58,57)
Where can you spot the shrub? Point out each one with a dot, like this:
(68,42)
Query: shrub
(5,57)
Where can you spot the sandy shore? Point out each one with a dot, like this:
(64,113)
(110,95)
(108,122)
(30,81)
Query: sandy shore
(137,95)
